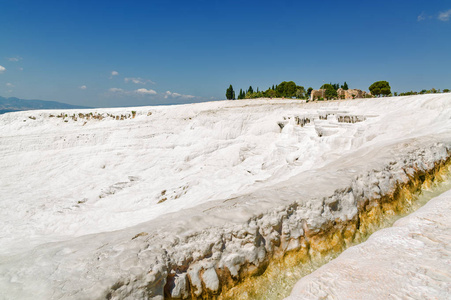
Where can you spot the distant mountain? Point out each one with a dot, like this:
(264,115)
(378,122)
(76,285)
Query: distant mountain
(15,104)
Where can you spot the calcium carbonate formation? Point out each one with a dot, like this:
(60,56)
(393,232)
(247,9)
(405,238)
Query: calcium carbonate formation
(195,200)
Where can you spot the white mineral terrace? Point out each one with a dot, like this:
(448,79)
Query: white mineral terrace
(174,201)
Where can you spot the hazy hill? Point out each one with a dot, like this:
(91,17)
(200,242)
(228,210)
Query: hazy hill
(15,104)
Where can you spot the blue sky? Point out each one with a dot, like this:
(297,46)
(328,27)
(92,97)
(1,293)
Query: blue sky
(126,53)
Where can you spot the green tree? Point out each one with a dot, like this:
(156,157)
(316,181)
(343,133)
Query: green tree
(380,88)
(270,93)
(446,90)
(290,89)
(345,86)
(300,92)
(280,89)
(331,93)
(286,89)
(230,93)
(309,91)
(254,95)
(240,95)
(250,90)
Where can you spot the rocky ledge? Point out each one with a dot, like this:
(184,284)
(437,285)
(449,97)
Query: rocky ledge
(217,262)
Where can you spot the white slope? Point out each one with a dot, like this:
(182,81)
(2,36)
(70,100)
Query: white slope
(411,260)
(74,193)
(65,179)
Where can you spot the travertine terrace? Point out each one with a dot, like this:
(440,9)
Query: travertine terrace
(193,200)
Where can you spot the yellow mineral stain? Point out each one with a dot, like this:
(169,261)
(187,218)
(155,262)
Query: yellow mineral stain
(282,273)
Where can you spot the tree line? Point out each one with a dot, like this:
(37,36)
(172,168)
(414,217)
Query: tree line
(332,89)
(422,92)
(285,89)
(289,89)
(378,88)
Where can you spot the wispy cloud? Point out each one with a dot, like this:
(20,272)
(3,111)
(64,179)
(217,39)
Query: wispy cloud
(14,59)
(116,90)
(170,94)
(148,93)
(83,87)
(138,92)
(2,69)
(9,84)
(444,15)
(138,80)
(421,17)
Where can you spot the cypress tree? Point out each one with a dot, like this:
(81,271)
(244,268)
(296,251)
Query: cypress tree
(230,93)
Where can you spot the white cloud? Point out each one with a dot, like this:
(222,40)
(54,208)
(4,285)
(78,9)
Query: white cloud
(20,69)
(83,87)
(138,80)
(116,90)
(176,95)
(114,73)
(9,84)
(2,69)
(138,92)
(148,92)
(145,92)
(444,16)
(15,59)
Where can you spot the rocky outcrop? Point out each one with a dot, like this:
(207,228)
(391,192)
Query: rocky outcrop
(318,94)
(350,94)
(342,94)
